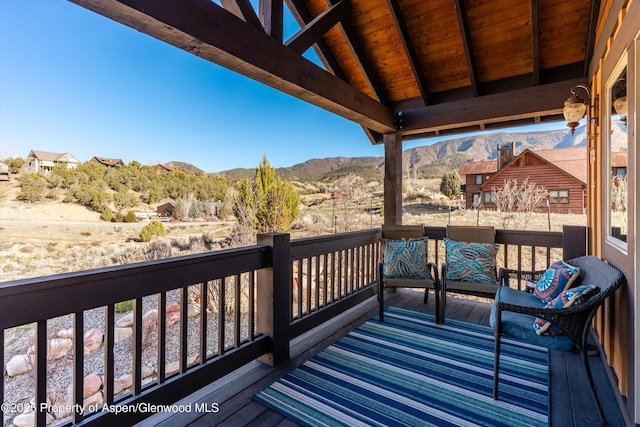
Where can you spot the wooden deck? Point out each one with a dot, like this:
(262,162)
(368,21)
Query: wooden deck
(571,400)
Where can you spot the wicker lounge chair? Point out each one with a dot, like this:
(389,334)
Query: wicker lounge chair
(514,312)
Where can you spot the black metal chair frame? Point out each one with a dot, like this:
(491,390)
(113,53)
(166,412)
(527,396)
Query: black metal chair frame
(405,232)
(575,321)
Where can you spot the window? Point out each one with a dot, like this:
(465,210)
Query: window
(489,196)
(558,196)
(479,179)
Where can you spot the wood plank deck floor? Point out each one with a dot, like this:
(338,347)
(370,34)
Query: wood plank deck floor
(571,400)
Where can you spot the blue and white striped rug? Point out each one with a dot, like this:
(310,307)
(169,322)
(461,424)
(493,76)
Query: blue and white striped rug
(410,371)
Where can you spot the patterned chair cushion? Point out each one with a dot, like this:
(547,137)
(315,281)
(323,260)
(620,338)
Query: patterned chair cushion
(565,299)
(471,262)
(405,259)
(558,277)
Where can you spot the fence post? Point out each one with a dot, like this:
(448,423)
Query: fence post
(273,297)
(574,241)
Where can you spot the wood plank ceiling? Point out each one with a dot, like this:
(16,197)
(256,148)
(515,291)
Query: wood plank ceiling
(420,68)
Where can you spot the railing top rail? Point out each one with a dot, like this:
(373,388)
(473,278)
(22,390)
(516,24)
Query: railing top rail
(313,246)
(30,300)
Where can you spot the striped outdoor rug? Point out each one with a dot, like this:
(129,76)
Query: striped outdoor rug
(410,371)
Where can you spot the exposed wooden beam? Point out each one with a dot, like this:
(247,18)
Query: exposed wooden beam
(208,31)
(591,35)
(461,13)
(272,17)
(302,17)
(359,54)
(410,51)
(243,10)
(535,41)
(318,27)
(507,106)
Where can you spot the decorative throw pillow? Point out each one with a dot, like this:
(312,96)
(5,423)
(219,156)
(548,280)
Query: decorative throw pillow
(405,259)
(558,277)
(565,299)
(471,262)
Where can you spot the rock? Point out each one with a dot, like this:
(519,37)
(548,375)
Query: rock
(147,371)
(65,333)
(174,306)
(25,420)
(93,401)
(19,365)
(92,340)
(122,383)
(172,367)
(121,334)
(58,347)
(193,309)
(172,318)
(92,383)
(125,321)
(149,321)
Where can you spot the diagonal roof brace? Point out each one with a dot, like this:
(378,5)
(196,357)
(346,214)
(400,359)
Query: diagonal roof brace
(314,30)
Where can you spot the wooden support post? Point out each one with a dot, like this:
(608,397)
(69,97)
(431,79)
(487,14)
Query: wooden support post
(392,179)
(274,297)
(574,241)
(272,17)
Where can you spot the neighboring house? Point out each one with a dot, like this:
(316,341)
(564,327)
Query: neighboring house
(562,171)
(4,171)
(160,168)
(166,210)
(105,161)
(45,160)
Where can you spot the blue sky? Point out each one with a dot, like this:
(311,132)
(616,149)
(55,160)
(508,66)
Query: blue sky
(74,81)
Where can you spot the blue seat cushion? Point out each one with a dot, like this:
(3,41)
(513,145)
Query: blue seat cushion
(520,325)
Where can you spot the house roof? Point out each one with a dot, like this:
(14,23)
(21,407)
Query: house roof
(571,160)
(419,68)
(53,157)
(560,158)
(108,161)
(475,168)
(619,158)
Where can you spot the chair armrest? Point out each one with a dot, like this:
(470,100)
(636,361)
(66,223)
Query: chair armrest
(506,273)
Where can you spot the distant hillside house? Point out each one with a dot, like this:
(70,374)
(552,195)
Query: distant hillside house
(4,171)
(562,172)
(45,160)
(166,210)
(110,163)
(160,168)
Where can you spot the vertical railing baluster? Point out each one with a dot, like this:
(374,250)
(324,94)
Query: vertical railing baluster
(325,288)
(533,258)
(78,364)
(137,346)
(109,356)
(317,281)
(41,372)
(340,273)
(184,327)
(252,307)
(236,323)
(308,287)
(300,288)
(203,322)
(2,358)
(162,337)
(221,316)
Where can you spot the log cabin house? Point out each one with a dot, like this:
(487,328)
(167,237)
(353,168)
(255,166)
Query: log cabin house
(402,69)
(562,172)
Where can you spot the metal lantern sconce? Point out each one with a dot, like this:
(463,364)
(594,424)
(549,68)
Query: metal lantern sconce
(620,99)
(576,107)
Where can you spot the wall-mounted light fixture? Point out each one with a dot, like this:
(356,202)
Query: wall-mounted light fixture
(620,99)
(576,107)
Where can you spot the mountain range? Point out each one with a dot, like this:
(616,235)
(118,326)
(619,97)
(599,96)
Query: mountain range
(428,160)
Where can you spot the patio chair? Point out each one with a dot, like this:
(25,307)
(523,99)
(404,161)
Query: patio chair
(514,313)
(470,266)
(405,263)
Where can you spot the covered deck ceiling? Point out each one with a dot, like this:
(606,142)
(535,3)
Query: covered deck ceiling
(409,67)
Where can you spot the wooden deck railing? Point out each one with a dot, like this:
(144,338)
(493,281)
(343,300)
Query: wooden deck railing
(253,301)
